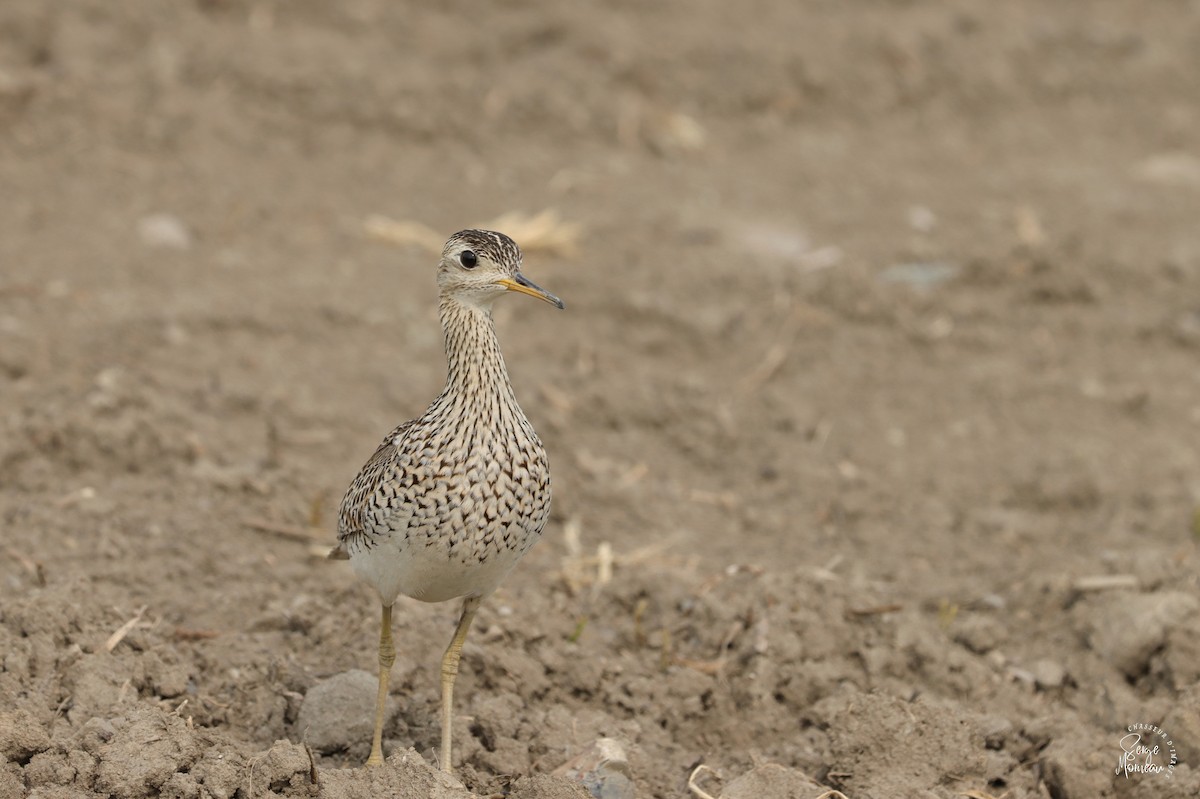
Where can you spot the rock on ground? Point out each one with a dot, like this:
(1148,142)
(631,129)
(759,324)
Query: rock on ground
(338,713)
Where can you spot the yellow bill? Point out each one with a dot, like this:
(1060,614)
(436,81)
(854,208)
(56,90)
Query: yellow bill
(526,286)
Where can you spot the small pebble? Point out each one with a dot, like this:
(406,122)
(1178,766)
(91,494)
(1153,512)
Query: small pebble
(1048,674)
(164,230)
(919,275)
(993,601)
(921,219)
(1170,169)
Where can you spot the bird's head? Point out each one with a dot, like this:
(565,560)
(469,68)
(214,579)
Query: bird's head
(479,265)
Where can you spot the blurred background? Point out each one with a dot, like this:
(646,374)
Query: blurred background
(878,375)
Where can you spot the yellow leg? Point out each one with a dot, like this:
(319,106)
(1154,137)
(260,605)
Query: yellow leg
(387,656)
(450,671)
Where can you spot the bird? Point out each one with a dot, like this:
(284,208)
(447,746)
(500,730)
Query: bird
(451,500)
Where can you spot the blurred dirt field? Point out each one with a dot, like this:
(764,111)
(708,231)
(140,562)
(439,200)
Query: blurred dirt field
(874,415)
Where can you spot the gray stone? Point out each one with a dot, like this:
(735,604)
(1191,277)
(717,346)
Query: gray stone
(339,713)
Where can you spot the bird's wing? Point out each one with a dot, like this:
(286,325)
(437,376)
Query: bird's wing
(358,502)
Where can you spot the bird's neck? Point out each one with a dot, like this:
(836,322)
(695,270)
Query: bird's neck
(474,365)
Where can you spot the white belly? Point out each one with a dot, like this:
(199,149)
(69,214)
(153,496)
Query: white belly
(429,573)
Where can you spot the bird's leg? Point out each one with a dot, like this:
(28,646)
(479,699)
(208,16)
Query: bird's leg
(387,656)
(450,671)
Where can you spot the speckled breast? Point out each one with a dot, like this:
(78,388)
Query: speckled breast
(471,491)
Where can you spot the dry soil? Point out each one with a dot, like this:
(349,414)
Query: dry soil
(877,387)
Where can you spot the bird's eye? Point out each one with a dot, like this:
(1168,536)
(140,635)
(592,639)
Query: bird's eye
(468,259)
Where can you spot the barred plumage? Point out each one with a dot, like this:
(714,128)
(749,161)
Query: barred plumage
(451,500)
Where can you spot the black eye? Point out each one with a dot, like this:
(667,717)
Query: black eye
(468,259)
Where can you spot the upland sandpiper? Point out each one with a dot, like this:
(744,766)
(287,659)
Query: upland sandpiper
(451,500)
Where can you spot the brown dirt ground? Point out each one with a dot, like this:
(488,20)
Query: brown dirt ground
(882,337)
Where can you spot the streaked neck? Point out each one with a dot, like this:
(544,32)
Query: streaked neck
(474,365)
